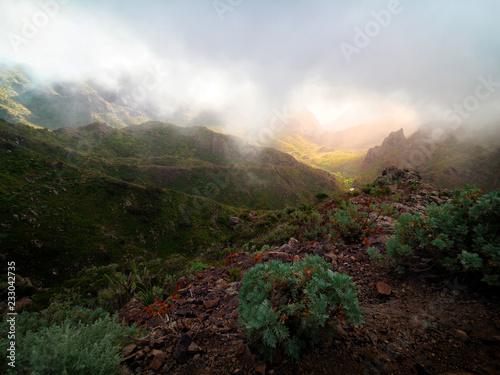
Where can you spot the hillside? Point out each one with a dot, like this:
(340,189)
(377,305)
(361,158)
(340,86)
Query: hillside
(125,190)
(54,105)
(456,159)
(58,216)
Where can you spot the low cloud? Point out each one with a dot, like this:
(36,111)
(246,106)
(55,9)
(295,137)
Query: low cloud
(418,64)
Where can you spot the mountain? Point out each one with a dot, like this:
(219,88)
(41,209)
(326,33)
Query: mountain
(58,214)
(63,104)
(193,160)
(450,161)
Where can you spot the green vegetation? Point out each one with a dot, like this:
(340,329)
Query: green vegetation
(461,236)
(349,224)
(192,160)
(345,164)
(288,306)
(379,187)
(63,339)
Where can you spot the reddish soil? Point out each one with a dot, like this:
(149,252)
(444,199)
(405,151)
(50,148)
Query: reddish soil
(415,323)
(426,325)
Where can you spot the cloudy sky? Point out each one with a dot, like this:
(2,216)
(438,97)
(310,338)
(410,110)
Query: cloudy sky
(348,62)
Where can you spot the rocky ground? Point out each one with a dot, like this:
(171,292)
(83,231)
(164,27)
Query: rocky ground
(416,323)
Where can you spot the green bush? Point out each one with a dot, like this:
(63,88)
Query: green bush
(64,340)
(350,225)
(291,305)
(462,235)
(378,188)
(321,196)
(375,254)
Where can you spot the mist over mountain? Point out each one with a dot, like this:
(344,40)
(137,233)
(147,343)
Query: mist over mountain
(448,158)
(64,103)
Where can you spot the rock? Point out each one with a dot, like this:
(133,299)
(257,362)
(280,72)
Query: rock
(436,199)
(383,288)
(128,350)
(139,355)
(23,281)
(193,348)
(184,311)
(278,255)
(461,335)
(260,367)
(22,303)
(154,352)
(330,257)
(382,239)
(340,330)
(181,354)
(397,174)
(296,259)
(211,303)
(233,220)
(292,242)
(284,249)
(158,360)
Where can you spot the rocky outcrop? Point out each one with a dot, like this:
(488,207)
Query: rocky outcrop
(393,174)
(448,162)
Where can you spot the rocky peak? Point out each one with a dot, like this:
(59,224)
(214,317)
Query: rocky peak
(394,139)
(393,142)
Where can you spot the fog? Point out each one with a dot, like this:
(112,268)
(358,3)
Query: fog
(347,62)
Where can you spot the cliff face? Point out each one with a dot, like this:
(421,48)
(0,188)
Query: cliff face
(392,144)
(449,162)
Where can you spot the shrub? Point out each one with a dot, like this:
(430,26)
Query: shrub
(281,234)
(291,305)
(377,188)
(197,267)
(375,254)
(234,274)
(351,225)
(462,235)
(321,196)
(62,340)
